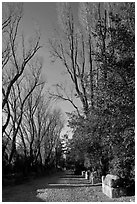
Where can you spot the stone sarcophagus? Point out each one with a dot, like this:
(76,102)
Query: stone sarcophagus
(110,186)
(83,173)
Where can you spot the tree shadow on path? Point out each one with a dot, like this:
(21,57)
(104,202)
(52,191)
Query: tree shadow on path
(27,192)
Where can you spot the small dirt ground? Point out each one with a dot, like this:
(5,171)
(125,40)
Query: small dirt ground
(60,187)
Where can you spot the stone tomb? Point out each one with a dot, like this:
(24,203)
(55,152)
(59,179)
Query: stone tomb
(83,173)
(92,177)
(110,186)
(86,175)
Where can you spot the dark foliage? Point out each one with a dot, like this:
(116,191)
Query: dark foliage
(105,137)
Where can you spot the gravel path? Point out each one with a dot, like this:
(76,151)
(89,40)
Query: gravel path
(59,188)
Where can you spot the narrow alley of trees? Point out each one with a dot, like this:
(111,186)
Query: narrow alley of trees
(96,46)
(97,49)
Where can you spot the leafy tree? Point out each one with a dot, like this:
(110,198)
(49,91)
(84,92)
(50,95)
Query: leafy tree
(106,134)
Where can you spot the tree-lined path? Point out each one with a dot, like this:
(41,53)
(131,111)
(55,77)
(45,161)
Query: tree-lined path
(62,187)
(68,99)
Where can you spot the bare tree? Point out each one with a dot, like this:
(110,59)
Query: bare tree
(52,136)
(21,90)
(41,128)
(61,93)
(77,46)
(69,47)
(28,132)
(95,19)
(16,53)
